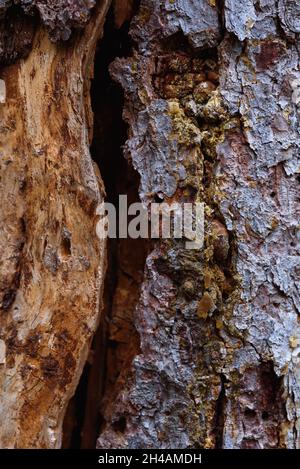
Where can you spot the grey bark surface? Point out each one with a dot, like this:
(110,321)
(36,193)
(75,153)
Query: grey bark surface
(219,331)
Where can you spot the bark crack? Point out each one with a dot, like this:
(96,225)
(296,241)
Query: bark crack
(116,342)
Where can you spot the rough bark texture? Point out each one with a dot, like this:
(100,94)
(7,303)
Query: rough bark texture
(208,101)
(204,349)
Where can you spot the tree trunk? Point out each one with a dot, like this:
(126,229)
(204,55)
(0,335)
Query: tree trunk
(195,348)
(52,263)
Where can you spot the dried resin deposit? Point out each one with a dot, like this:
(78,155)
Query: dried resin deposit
(142,343)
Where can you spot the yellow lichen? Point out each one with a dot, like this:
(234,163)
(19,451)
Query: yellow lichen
(250,23)
(294,342)
(184,130)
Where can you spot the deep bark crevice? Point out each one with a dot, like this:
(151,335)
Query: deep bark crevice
(261,406)
(219,415)
(16,35)
(116,341)
(195,348)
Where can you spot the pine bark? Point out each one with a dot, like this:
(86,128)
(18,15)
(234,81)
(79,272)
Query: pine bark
(203,349)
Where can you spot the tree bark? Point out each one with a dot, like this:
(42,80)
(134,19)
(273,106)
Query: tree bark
(203,349)
(52,263)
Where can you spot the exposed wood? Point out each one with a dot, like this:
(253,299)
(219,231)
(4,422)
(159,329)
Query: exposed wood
(202,350)
(52,263)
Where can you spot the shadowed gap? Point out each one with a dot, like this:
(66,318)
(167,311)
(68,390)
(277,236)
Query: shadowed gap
(116,342)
